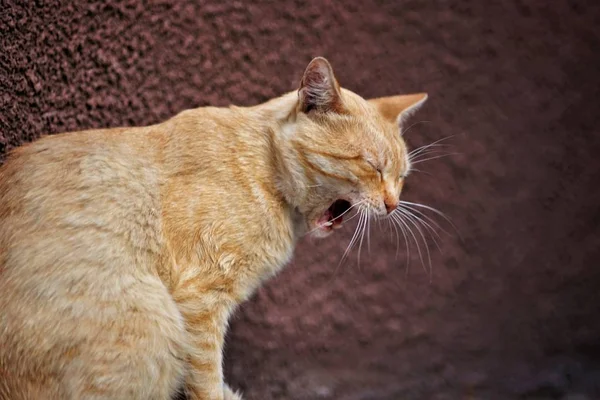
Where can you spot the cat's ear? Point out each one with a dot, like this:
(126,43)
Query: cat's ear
(319,90)
(398,108)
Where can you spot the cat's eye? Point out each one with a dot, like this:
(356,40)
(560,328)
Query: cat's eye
(376,168)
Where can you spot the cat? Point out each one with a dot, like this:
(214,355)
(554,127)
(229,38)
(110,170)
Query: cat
(124,251)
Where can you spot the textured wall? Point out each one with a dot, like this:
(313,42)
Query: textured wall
(508,312)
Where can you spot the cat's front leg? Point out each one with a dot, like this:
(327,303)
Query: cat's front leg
(205,316)
(204,380)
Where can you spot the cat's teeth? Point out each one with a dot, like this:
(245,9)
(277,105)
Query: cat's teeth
(328,223)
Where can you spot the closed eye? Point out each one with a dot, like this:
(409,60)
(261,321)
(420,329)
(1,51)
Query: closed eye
(376,168)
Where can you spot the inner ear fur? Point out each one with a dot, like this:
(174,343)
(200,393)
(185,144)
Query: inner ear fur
(319,90)
(398,108)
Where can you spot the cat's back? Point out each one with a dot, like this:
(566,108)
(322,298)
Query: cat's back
(86,160)
(80,234)
(68,197)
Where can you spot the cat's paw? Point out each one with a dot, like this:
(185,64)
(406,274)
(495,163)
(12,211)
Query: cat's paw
(229,394)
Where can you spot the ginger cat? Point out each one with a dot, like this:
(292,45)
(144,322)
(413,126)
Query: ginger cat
(124,251)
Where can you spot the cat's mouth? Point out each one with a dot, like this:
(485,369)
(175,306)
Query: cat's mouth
(333,217)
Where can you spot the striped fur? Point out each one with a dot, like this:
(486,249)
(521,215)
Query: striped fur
(123,252)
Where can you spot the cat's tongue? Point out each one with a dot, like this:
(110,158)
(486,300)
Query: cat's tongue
(327,220)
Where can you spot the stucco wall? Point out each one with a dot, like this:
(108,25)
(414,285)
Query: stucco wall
(508,312)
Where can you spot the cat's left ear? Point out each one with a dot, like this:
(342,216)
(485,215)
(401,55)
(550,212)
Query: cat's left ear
(319,90)
(399,108)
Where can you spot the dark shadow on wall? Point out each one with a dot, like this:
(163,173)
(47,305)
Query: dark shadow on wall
(508,312)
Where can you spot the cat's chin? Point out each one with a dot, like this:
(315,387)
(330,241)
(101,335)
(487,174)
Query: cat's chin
(321,233)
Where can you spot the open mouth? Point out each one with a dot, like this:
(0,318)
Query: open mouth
(333,217)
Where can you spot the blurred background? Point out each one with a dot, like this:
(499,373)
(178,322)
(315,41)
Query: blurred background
(510,311)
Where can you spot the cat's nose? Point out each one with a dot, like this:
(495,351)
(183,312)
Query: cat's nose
(390,206)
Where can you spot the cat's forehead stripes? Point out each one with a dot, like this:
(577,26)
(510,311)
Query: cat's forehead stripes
(311,168)
(338,156)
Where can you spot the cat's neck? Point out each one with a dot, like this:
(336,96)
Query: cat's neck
(253,142)
(279,116)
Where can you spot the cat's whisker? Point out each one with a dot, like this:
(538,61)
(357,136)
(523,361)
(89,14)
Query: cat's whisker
(391,225)
(415,221)
(419,216)
(404,234)
(405,131)
(352,217)
(369,235)
(432,144)
(351,243)
(427,217)
(303,186)
(357,230)
(416,155)
(425,243)
(362,233)
(427,155)
(435,210)
(426,152)
(409,230)
(434,158)
(419,171)
(428,228)
(427,149)
(397,225)
(398,221)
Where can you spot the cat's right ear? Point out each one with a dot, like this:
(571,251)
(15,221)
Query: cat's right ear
(319,90)
(398,108)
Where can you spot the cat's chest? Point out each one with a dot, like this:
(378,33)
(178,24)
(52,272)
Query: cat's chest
(242,237)
(240,230)
(267,243)
(251,254)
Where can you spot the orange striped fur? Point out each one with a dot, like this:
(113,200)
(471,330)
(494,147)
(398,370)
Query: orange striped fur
(123,252)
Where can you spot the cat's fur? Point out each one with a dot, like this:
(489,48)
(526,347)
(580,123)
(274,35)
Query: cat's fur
(124,251)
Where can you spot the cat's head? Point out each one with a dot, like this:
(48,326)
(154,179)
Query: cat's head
(348,151)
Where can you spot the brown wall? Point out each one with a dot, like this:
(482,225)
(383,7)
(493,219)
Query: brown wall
(508,312)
